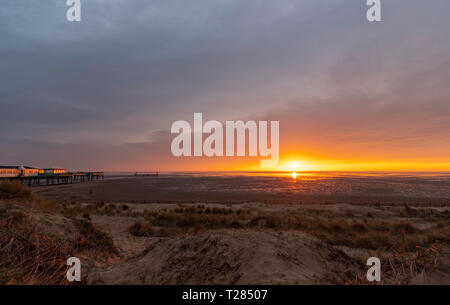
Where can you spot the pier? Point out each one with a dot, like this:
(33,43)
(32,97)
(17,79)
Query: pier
(146,174)
(57,179)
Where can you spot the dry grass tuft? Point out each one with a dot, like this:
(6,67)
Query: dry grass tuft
(15,190)
(93,240)
(27,257)
(400,268)
(21,194)
(140,228)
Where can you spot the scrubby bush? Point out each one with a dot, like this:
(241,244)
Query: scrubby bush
(15,190)
(140,228)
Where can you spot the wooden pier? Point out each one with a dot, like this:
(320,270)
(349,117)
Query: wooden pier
(57,179)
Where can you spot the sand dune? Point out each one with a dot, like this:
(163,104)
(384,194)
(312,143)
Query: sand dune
(233,257)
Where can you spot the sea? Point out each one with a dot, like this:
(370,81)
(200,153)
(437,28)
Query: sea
(373,184)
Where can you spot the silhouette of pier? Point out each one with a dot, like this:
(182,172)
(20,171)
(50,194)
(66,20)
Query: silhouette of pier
(57,179)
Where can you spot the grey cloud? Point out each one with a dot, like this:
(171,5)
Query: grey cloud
(132,67)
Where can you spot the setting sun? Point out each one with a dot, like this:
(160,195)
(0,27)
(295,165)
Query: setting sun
(294,166)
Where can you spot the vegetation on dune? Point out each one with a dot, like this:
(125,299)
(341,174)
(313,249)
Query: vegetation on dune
(29,255)
(367,233)
(140,228)
(15,190)
(406,250)
(21,194)
(92,239)
(344,229)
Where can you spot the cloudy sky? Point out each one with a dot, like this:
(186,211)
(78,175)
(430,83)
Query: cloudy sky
(103,93)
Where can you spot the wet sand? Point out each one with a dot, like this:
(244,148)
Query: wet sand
(227,190)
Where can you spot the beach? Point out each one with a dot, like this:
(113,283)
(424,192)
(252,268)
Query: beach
(241,229)
(307,188)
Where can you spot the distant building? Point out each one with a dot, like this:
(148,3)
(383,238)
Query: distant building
(9,171)
(30,171)
(54,171)
(18,171)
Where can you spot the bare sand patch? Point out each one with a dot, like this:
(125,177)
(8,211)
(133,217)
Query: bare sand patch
(233,257)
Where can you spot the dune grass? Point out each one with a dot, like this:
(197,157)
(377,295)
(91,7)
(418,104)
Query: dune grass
(28,256)
(15,190)
(22,194)
(367,233)
(408,241)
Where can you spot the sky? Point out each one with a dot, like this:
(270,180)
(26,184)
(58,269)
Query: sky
(102,94)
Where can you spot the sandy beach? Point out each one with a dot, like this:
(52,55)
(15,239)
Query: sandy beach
(175,237)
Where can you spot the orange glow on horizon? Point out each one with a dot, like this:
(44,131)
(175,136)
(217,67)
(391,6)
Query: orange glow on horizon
(299,164)
(357,165)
